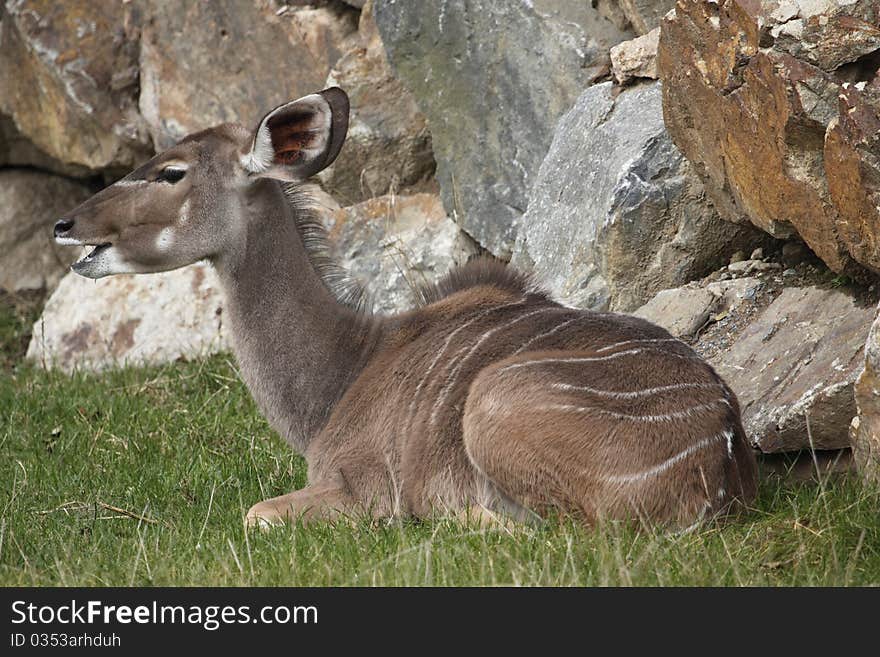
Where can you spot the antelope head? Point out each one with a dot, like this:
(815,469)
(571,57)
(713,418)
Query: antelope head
(187,204)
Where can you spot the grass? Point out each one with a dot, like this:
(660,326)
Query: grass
(142,476)
(18,312)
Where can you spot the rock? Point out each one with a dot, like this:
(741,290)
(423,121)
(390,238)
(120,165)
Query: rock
(759,265)
(30,204)
(739,266)
(777,106)
(493,77)
(207,63)
(610,10)
(68,80)
(616,214)
(827,34)
(684,310)
(852,165)
(681,311)
(388,148)
(865,428)
(394,244)
(793,253)
(121,320)
(742,266)
(636,58)
(16,150)
(328,30)
(739,256)
(757,254)
(797,361)
(645,15)
(729,294)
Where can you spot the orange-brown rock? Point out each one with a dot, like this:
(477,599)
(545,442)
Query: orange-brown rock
(773,101)
(69,80)
(852,163)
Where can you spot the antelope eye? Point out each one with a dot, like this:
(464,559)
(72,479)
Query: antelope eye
(171,174)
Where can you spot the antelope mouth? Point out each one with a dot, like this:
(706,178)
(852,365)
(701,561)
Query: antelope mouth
(100,261)
(94,253)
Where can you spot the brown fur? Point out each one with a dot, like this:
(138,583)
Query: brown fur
(489,395)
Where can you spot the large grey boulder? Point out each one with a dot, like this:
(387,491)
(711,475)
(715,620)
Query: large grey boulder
(130,320)
(616,213)
(395,244)
(30,203)
(493,76)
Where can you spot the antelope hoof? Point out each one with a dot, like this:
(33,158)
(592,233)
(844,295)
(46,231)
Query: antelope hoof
(264,516)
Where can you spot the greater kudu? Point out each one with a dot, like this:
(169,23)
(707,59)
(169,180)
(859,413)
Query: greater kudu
(488,396)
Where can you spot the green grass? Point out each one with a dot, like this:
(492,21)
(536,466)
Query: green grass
(141,476)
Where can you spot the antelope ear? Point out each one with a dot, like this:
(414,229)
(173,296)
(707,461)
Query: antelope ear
(298,139)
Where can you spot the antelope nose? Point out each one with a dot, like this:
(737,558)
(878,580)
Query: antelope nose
(62,226)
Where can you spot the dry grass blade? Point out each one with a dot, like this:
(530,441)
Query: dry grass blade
(74,506)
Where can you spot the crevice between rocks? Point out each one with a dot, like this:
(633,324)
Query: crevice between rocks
(863,69)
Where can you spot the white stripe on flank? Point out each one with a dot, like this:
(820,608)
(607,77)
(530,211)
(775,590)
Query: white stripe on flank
(637,341)
(660,417)
(546,334)
(446,343)
(729,435)
(634,394)
(591,359)
(668,463)
(451,379)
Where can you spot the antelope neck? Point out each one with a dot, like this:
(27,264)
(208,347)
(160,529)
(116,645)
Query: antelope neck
(298,348)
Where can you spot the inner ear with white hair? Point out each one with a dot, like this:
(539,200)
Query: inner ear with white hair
(300,138)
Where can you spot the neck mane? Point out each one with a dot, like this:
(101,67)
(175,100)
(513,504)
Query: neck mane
(345,289)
